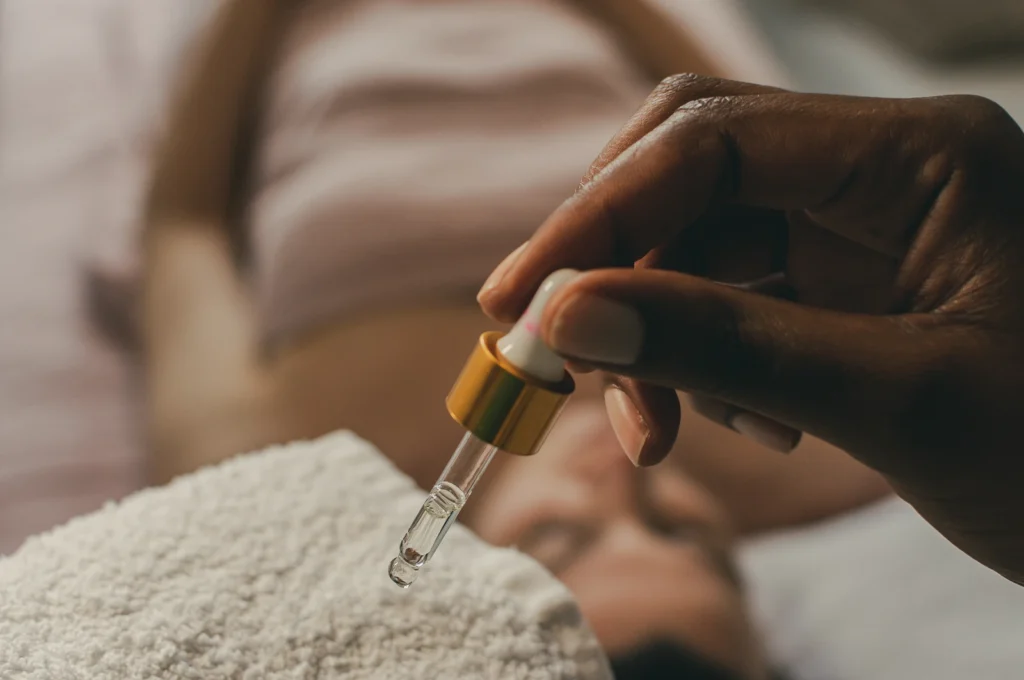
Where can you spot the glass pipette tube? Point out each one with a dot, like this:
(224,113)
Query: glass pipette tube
(440,510)
(510,392)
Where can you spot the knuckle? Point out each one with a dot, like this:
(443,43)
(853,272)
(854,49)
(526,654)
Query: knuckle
(686,83)
(710,110)
(977,111)
(683,90)
(703,126)
(974,126)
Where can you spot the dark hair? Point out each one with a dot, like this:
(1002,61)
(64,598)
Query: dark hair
(667,661)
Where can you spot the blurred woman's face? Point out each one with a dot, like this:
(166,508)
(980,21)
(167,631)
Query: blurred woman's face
(645,551)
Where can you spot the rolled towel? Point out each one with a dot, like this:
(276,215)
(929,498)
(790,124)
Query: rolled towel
(274,565)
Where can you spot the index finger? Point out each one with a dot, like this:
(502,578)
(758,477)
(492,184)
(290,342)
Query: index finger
(829,154)
(670,94)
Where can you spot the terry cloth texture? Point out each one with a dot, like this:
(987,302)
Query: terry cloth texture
(274,565)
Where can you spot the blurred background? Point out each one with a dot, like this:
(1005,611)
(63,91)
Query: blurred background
(899,48)
(84,90)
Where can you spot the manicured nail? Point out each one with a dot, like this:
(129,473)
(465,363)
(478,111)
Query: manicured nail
(765,431)
(499,272)
(627,423)
(591,328)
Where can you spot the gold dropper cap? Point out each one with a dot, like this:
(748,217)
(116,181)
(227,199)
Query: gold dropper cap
(503,406)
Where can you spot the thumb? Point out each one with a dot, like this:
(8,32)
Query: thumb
(840,377)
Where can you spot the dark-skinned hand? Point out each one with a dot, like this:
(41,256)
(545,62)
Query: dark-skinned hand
(852,268)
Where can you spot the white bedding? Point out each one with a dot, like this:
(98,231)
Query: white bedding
(880,595)
(68,180)
(82,84)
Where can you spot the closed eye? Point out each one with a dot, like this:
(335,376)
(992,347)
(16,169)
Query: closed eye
(557,543)
(697,533)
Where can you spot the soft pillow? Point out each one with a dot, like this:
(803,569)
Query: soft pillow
(274,565)
(879,594)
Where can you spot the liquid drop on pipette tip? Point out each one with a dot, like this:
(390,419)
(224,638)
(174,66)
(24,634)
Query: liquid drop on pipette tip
(402,573)
(425,533)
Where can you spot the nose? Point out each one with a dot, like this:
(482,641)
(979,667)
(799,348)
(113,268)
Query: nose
(613,483)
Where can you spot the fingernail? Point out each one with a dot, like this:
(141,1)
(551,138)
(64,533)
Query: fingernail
(764,431)
(596,329)
(627,423)
(499,272)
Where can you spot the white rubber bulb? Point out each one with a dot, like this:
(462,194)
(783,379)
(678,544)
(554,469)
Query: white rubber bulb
(522,346)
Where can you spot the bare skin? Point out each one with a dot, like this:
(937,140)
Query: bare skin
(897,226)
(213,392)
(657,541)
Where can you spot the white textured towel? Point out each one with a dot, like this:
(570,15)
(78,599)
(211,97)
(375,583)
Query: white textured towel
(273,565)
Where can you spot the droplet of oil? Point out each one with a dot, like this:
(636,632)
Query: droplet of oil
(402,573)
(431,524)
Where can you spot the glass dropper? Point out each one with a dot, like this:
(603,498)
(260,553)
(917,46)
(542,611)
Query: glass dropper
(441,508)
(507,397)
